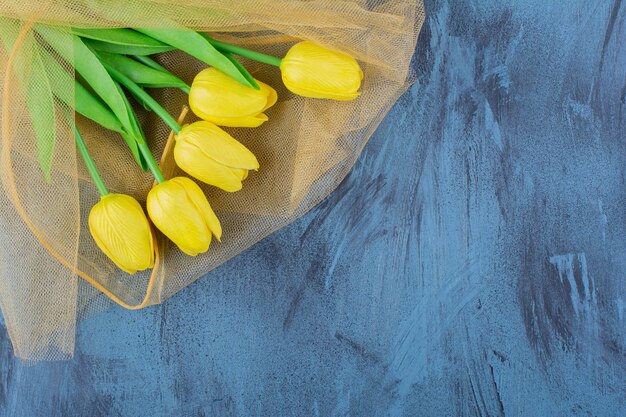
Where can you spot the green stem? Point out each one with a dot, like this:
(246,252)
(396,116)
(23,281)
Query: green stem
(149,62)
(91,166)
(147,75)
(144,97)
(152,163)
(247,53)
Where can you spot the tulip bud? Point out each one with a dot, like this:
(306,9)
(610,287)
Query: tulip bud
(180,210)
(217,98)
(212,156)
(121,230)
(312,71)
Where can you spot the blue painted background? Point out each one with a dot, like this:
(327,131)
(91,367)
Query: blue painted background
(472,264)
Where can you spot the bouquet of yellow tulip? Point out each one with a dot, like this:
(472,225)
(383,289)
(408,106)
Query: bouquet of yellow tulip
(283,95)
(224,94)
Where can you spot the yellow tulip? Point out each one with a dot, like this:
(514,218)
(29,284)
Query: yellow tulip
(312,71)
(121,230)
(180,210)
(212,156)
(217,98)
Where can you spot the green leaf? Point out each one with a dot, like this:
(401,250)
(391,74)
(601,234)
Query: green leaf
(81,100)
(87,104)
(88,65)
(135,126)
(197,46)
(41,106)
(123,49)
(124,41)
(224,47)
(136,138)
(146,60)
(142,74)
(33,80)
(143,97)
(135,135)
(242,69)
(92,108)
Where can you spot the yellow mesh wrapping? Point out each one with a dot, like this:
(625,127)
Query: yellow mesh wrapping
(305,150)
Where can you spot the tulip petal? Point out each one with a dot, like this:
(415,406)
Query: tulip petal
(104,245)
(214,224)
(315,93)
(218,145)
(242,174)
(205,169)
(247,121)
(215,94)
(312,71)
(197,197)
(272,97)
(121,230)
(135,229)
(177,217)
(151,245)
(312,93)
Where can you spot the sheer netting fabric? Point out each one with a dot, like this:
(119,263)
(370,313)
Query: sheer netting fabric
(305,149)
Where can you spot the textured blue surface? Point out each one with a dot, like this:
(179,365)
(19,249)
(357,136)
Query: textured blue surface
(472,264)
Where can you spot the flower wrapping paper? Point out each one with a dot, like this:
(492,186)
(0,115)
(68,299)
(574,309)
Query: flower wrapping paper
(304,150)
